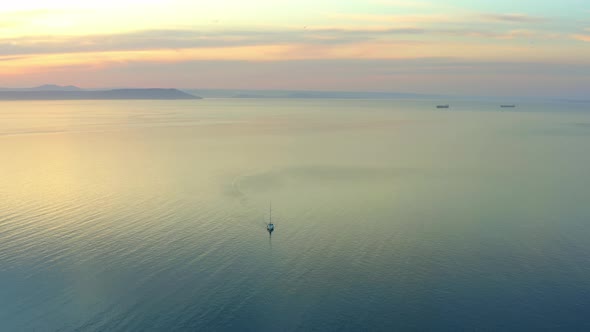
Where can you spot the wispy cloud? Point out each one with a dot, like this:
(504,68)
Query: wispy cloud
(512,18)
(181,39)
(376,42)
(378,30)
(12,58)
(463,17)
(408,20)
(514,34)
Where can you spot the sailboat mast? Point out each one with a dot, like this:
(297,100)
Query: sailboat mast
(270,226)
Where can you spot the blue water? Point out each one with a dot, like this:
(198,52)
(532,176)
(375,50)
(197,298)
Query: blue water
(390,215)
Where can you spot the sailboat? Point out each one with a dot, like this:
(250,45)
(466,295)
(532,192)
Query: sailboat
(270,227)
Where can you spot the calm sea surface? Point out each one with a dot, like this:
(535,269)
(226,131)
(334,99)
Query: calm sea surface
(390,215)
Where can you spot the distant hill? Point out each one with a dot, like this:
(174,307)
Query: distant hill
(73,93)
(53,87)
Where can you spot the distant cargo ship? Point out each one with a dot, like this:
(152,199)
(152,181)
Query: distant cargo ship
(507,106)
(442,106)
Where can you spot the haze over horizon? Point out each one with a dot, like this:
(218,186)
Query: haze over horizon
(456,47)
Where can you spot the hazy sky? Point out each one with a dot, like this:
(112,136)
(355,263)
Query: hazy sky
(500,47)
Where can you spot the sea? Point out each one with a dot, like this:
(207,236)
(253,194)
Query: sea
(390,215)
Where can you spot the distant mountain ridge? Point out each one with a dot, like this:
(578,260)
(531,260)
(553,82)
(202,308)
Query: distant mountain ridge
(72,93)
(302,94)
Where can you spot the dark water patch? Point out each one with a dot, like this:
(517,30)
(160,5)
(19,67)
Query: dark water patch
(319,175)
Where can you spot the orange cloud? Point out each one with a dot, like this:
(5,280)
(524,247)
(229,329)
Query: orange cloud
(279,52)
(584,38)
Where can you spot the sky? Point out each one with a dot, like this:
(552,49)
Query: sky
(459,47)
